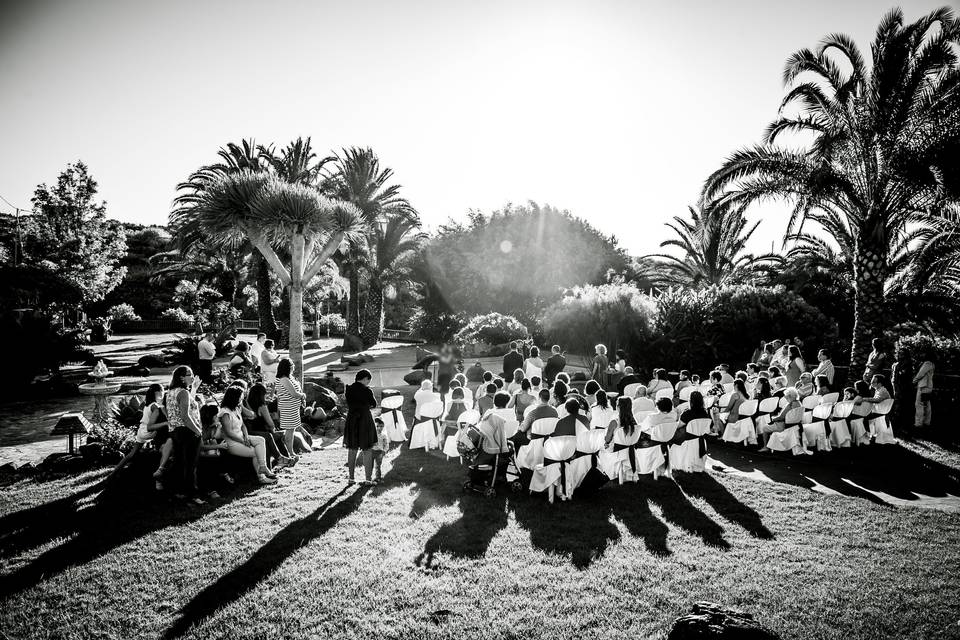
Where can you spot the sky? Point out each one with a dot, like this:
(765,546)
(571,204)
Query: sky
(614,110)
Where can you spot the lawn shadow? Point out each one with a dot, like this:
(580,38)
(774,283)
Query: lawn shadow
(267,559)
(705,486)
(30,528)
(677,508)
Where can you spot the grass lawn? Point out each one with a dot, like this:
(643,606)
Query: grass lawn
(415,557)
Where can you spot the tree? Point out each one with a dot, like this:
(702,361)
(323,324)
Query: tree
(359,179)
(713,242)
(882,147)
(392,245)
(69,234)
(266,210)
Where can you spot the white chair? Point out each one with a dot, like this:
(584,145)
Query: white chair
(768,406)
(858,427)
(829,398)
(643,404)
(789,439)
(690,455)
(465,420)
(728,388)
(839,430)
(622,461)
(683,406)
(654,459)
(810,402)
(743,430)
(589,445)
(709,401)
(724,401)
(601,418)
(393,423)
(426,434)
(880,429)
(531,371)
(531,454)
(815,431)
(664,393)
(640,416)
(551,473)
(422,398)
(631,389)
(684,394)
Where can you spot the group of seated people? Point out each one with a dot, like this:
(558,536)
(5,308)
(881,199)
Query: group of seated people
(243,422)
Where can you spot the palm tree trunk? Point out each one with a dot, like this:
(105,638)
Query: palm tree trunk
(869,276)
(268,322)
(296,305)
(353,304)
(373,314)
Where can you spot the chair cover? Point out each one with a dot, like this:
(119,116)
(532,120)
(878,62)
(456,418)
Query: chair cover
(680,408)
(586,457)
(531,454)
(685,393)
(557,454)
(839,429)
(880,429)
(664,393)
(829,398)
(690,455)
(858,428)
(426,435)
(601,418)
(649,461)
(810,402)
(728,388)
(768,406)
(422,398)
(467,419)
(815,431)
(393,423)
(789,439)
(631,389)
(709,401)
(643,404)
(743,430)
(621,462)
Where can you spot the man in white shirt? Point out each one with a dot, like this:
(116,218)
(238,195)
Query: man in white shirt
(725,377)
(825,368)
(257,348)
(207,352)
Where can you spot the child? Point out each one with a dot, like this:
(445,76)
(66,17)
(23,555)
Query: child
(379,450)
(211,463)
(153,427)
(695,380)
(849,393)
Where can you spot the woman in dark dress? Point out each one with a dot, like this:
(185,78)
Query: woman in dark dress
(360,432)
(446,368)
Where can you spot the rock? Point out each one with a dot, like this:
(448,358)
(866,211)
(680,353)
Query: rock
(311,345)
(352,344)
(92,451)
(27,469)
(366,357)
(337,367)
(134,371)
(7,469)
(415,377)
(319,396)
(708,620)
(353,361)
(110,456)
(150,361)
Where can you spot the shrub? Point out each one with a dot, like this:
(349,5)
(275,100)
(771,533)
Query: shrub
(123,311)
(491,328)
(943,352)
(178,314)
(436,327)
(335,321)
(113,435)
(617,315)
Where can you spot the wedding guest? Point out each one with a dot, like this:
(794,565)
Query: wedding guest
(542,409)
(269,361)
(291,400)
(239,442)
(207,352)
(359,431)
(554,365)
(824,366)
(183,416)
(600,366)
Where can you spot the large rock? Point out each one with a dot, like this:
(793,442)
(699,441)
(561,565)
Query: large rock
(151,361)
(416,377)
(352,344)
(320,396)
(709,620)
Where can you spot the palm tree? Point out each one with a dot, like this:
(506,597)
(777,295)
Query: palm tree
(267,210)
(713,242)
(392,246)
(247,156)
(885,147)
(359,179)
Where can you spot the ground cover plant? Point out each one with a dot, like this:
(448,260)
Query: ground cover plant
(416,558)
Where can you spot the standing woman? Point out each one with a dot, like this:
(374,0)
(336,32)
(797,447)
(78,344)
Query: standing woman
(533,366)
(795,366)
(359,431)
(269,360)
(600,366)
(621,363)
(924,381)
(183,416)
(290,401)
(446,369)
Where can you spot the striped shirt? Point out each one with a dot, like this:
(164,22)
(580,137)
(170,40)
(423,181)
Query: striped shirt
(289,404)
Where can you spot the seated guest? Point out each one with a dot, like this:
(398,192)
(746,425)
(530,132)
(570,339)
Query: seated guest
(485,402)
(515,382)
(766,358)
(542,409)
(725,377)
(600,410)
(659,382)
(740,375)
(457,383)
(239,442)
(641,401)
(779,422)
(778,382)
(761,390)
(805,385)
(695,411)
(684,381)
(753,372)
(576,395)
(590,389)
(822,385)
(500,401)
(241,363)
(522,398)
(262,424)
(536,383)
(849,393)
(499,383)
(664,414)
(732,409)
(873,393)
(562,377)
(457,405)
(573,421)
(482,388)
(629,377)
(716,377)
(695,380)
(623,420)
(423,396)
(560,391)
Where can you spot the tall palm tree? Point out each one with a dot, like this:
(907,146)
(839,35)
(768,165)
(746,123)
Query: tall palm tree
(247,156)
(392,246)
(267,210)
(359,179)
(885,146)
(713,245)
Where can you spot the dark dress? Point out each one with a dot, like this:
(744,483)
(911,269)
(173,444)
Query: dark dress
(359,432)
(446,368)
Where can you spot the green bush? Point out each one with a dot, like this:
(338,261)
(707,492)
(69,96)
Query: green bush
(696,329)
(491,328)
(943,352)
(123,311)
(178,314)
(436,327)
(619,316)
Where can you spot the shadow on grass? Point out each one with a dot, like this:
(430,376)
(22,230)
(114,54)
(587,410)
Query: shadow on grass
(866,472)
(704,486)
(268,558)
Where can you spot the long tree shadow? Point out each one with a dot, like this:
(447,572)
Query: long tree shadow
(704,486)
(33,527)
(296,535)
(678,509)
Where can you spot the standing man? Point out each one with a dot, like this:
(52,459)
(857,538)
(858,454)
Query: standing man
(257,348)
(825,368)
(877,361)
(924,381)
(207,352)
(512,361)
(555,364)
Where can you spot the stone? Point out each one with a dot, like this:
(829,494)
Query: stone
(352,343)
(709,620)
(415,377)
(150,361)
(92,451)
(337,366)
(311,345)
(319,396)
(353,361)
(134,371)
(27,469)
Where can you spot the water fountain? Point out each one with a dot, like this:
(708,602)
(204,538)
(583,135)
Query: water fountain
(101,390)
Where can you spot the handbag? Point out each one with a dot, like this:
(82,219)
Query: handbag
(926,396)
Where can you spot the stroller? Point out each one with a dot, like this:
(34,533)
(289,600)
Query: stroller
(492,457)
